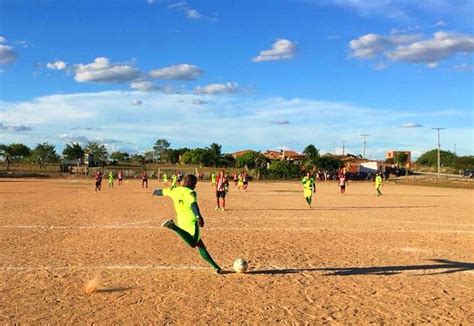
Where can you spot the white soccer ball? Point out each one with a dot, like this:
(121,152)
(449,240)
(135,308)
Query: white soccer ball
(240,265)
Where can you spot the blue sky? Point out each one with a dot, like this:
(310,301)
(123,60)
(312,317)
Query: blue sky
(244,74)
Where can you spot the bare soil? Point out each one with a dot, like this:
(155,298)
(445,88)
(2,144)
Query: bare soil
(403,258)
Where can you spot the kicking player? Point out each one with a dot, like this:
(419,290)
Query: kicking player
(188,217)
(308,184)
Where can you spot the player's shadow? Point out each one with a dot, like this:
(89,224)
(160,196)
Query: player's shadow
(443,266)
(114,289)
(329,208)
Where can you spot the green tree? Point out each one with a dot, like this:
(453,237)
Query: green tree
(311,154)
(215,154)
(174,155)
(74,151)
(328,163)
(430,158)
(18,151)
(138,158)
(160,148)
(464,162)
(400,158)
(120,156)
(45,153)
(197,156)
(283,170)
(149,156)
(98,151)
(5,153)
(250,160)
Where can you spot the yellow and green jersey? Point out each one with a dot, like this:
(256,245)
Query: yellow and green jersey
(182,198)
(213,178)
(378,181)
(308,184)
(165,177)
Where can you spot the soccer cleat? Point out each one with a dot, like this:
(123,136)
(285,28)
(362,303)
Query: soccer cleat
(217,208)
(167,224)
(218,271)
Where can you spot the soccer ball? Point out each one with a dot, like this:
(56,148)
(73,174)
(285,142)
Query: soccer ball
(240,265)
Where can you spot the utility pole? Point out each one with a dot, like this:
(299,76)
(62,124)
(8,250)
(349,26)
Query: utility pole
(439,146)
(365,142)
(343,148)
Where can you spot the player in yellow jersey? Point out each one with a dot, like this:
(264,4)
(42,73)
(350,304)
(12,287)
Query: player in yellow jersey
(188,217)
(308,186)
(378,183)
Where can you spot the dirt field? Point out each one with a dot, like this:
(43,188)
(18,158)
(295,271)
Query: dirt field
(403,258)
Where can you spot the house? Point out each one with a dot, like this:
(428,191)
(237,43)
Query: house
(241,153)
(392,154)
(284,155)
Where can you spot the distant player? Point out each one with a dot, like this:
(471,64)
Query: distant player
(378,184)
(188,217)
(240,181)
(98,181)
(111,179)
(144,179)
(213,179)
(165,179)
(245,181)
(308,184)
(120,177)
(174,181)
(221,185)
(342,182)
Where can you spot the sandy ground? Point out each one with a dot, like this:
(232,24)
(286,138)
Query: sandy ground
(403,258)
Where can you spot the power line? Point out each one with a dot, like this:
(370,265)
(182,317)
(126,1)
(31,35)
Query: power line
(439,146)
(365,142)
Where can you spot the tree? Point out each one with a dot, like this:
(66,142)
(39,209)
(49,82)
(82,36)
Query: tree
(311,154)
(283,170)
(18,151)
(119,156)
(74,151)
(5,153)
(251,160)
(174,155)
(430,158)
(149,156)
(215,154)
(328,163)
(98,151)
(160,148)
(197,156)
(400,158)
(45,154)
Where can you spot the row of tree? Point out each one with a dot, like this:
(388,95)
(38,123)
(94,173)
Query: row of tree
(210,156)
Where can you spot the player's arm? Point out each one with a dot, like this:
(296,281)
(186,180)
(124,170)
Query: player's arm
(161,192)
(195,209)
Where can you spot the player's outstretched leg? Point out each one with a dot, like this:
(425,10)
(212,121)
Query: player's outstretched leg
(207,257)
(188,238)
(308,200)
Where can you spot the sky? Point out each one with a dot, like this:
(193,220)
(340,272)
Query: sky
(244,74)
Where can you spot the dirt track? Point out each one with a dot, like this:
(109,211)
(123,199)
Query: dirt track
(405,257)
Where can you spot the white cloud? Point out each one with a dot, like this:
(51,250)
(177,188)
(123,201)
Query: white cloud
(282,49)
(102,71)
(7,54)
(136,102)
(191,13)
(221,120)
(442,46)
(371,45)
(439,23)
(380,66)
(411,125)
(177,72)
(198,102)
(16,127)
(464,67)
(411,48)
(3,39)
(57,65)
(225,88)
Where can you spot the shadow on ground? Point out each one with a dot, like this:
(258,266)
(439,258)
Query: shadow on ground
(442,266)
